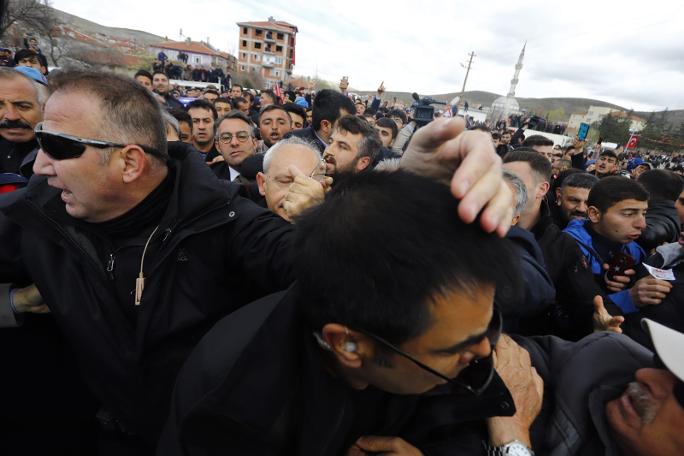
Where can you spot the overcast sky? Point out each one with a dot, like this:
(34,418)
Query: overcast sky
(627,53)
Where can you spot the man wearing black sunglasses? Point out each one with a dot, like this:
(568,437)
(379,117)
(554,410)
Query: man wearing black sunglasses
(364,346)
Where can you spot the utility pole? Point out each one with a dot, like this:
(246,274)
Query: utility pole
(470,62)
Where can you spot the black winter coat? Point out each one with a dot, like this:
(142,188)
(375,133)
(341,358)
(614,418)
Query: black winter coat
(662,224)
(212,253)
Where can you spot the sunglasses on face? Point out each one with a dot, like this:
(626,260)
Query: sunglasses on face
(61,146)
(476,377)
(678,390)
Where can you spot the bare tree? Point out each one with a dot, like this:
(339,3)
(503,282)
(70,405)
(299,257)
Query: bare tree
(32,14)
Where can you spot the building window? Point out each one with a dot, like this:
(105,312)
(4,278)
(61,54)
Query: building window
(280,36)
(244,30)
(290,53)
(244,43)
(279,49)
(242,68)
(244,55)
(269,35)
(277,73)
(258,32)
(255,56)
(257,45)
(197,60)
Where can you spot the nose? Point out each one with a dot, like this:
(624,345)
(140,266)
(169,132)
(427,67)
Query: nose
(10,112)
(43,165)
(481,349)
(582,207)
(640,222)
(660,382)
(234,141)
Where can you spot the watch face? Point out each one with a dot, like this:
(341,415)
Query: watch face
(517,449)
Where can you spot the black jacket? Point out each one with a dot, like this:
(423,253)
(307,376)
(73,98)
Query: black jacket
(571,317)
(257,383)
(308,134)
(13,157)
(662,224)
(213,252)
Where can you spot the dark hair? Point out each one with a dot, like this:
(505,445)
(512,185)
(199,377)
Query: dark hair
(271,94)
(537,162)
(361,227)
(223,100)
(496,135)
(388,123)
(662,184)
(237,100)
(237,85)
(273,107)
(327,105)
(295,109)
(143,73)
(213,91)
(398,113)
(370,142)
(611,190)
(235,114)
(159,72)
(24,54)
(609,153)
(201,103)
(181,116)
(580,180)
(537,140)
(129,111)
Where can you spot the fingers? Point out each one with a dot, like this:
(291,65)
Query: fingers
(436,133)
(296,172)
(598,303)
(377,444)
(481,160)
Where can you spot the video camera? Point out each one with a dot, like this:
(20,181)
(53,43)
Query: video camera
(423,112)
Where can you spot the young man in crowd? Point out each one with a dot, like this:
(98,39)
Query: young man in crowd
(223,106)
(542,145)
(274,124)
(607,239)
(329,106)
(161,86)
(387,129)
(203,115)
(297,114)
(144,77)
(607,164)
(354,146)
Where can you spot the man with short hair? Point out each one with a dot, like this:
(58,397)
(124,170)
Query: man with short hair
(343,359)
(274,124)
(542,145)
(184,125)
(329,106)
(28,58)
(241,104)
(160,86)
(210,95)
(203,116)
(267,98)
(571,198)
(144,78)
(606,165)
(297,114)
(21,102)
(387,129)
(235,142)
(398,116)
(571,316)
(354,146)
(235,91)
(616,219)
(223,106)
(293,178)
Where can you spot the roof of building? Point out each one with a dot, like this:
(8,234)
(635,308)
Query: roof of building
(196,47)
(272,24)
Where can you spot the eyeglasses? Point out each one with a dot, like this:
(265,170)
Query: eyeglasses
(678,390)
(226,138)
(477,376)
(61,146)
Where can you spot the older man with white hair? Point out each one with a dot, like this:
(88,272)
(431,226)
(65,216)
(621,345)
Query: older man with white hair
(293,178)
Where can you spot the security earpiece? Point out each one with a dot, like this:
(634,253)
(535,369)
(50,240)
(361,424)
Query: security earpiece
(350,346)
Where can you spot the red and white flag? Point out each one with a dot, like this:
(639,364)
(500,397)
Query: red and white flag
(632,143)
(278,92)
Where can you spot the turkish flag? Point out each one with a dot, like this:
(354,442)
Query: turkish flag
(632,143)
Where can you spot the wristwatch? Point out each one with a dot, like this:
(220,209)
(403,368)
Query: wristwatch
(514,448)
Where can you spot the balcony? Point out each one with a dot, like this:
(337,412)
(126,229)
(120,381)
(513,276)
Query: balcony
(269,37)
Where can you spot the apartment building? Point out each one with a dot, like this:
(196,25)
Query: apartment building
(267,47)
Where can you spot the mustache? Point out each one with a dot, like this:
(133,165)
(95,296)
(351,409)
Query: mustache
(15,124)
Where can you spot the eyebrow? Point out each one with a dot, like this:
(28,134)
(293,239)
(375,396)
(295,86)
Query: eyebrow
(463,344)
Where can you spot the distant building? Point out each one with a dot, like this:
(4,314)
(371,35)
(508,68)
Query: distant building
(596,113)
(200,54)
(267,48)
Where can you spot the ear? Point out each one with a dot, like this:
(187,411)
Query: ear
(134,162)
(594,214)
(363,163)
(558,196)
(261,182)
(543,189)
(515,220)
(325,126)
(337,336)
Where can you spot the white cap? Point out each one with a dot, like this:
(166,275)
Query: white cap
(669,345)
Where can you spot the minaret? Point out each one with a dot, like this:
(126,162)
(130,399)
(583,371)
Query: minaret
(518,67)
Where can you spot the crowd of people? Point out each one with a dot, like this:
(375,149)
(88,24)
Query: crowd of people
(199,272)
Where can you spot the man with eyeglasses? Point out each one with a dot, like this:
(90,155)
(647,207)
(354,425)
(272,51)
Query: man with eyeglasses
(137,250)
(293,178)
(363,346)
(235,142)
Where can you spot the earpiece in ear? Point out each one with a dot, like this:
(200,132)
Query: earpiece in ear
(350,346)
